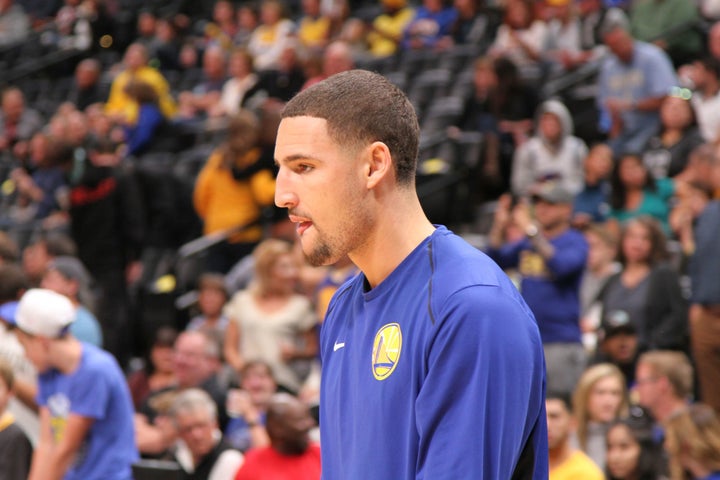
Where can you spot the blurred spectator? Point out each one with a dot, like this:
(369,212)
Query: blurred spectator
(564,43)
(635,192)
(432,22)
(521,38)
(600,266)
(600,398)
(67,276)
(196,363)
(553,153)
(40,11)
(86,89)
(165,46)
(224,27)
(15,448)
(145,29)
(212,297)
(565,461)
(387,28)
(272,36)
(73,29)
(108,225)
(666,154)
(699,231)
(634,80)
(247,21)
(83,397)
(664,383)
(669,24)
(203,96)
(22,405)
(693,443)
(201,451)
(18,123)
(592,15)
(119,104)
(231,190)
(269,321)
(632,452)
(647,289)
(291,454)
(336,58)
(313,26)
(158,370)
(9,251)
(705,100)
(242,88)
(550,258)
(247,406)
(591,203)
(286,80)
(618,345)
(501,108)
(151,132)
(42,191)
(41,250)
(472,26)
(14,23)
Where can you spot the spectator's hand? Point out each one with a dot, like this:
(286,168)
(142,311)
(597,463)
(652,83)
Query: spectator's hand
(239,404)
(522,215)
(502,212)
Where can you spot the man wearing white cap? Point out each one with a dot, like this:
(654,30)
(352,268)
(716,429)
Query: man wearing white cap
(86,413)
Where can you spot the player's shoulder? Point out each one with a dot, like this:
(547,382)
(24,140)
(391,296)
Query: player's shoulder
(457,264)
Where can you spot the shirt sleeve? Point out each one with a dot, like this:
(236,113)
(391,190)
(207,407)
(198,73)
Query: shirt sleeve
(91,393)
(480,394)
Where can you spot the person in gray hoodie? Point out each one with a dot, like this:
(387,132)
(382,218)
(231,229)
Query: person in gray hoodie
(553,153)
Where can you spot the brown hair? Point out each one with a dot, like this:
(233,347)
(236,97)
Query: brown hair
(265,256)
(693,432)
(658,243)
(362,107)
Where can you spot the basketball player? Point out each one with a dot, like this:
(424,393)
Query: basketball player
(432,363)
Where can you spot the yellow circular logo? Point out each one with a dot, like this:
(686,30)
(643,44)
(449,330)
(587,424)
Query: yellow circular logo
(386,350)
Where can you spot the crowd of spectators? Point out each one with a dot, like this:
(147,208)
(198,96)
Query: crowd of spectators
(137,181)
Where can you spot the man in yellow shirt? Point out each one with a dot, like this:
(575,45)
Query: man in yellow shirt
(119,104)
(566,461)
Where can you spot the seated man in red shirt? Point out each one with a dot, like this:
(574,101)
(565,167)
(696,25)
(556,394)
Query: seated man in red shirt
(291,455)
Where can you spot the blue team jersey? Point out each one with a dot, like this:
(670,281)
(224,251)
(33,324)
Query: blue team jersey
(436,373)
(96,389)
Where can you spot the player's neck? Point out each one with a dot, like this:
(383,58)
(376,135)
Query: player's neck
(399,230)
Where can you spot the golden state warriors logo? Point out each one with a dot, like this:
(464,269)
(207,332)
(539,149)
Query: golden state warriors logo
(386,350)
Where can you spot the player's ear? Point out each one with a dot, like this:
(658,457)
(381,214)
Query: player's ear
(379,163)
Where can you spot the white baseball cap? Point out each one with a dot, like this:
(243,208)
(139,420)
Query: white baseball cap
(45,313)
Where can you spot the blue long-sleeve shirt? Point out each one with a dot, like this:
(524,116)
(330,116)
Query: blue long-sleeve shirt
(550,287)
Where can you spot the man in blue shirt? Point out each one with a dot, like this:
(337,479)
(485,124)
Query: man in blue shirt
(550,259)
(86,414)
(432,363)
(634,80)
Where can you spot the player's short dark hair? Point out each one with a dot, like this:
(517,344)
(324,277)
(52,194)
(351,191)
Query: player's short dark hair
(362,107)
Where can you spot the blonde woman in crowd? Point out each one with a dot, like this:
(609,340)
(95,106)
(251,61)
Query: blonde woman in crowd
(269,321)
(692,440)
(600,398)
